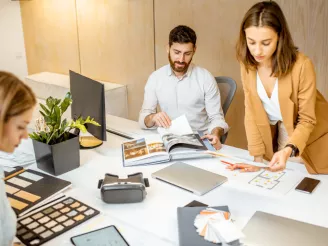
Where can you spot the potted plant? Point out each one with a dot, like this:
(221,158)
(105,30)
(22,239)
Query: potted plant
(56,148)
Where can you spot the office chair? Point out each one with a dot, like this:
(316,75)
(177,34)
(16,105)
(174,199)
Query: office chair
(227,87)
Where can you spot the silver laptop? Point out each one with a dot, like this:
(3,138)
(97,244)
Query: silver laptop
(190,178)
(265,229)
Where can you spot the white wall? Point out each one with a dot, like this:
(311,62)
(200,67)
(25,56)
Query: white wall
(12,49)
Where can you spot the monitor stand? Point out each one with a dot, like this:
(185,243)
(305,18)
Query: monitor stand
(89,142)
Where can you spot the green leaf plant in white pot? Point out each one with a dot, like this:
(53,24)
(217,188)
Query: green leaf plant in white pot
(56,148)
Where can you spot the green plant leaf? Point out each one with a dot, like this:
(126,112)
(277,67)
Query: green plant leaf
(43,114)
(65,104)
(50,102)
(57,117)
(90,121)
(48,120)
(57,101)
(63,126)
(77,124)
(68,95)
(44,108)
(35,136)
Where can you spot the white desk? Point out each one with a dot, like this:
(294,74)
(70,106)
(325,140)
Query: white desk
(155,219)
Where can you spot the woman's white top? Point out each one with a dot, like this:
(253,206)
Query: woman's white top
(7,216)
(271,105)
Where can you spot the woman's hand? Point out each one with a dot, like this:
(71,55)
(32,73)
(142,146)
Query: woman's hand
(243,167)
(246,167)
(279,159)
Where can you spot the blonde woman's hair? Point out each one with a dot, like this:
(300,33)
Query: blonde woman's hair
(15,98)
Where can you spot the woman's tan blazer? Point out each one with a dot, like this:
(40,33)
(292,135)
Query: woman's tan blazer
(304,112)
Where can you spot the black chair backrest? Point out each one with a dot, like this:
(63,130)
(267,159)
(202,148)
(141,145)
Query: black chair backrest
(227,87)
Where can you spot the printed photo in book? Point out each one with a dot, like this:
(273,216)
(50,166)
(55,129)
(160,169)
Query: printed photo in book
(175,143)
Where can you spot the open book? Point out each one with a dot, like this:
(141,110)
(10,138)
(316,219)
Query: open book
(175,143)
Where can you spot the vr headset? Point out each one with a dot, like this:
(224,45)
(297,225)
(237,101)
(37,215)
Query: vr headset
(116,190)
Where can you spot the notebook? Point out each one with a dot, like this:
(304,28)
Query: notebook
(28,189)
(266,229)
(190,178)
(187,231)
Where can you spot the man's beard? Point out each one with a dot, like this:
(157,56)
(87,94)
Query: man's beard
(179,69)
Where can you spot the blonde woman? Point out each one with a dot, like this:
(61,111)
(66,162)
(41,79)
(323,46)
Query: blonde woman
(285,115)
(17,102)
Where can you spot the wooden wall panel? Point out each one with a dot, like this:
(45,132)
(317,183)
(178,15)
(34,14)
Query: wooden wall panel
(117,44)
(50,35)
(123,41)
(307,20)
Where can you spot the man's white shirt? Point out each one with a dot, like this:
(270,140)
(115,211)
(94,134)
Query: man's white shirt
(195,94)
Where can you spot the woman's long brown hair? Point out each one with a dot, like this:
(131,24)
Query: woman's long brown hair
(268,14)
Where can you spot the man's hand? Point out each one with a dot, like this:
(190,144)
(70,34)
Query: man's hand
(160,119)
(214,137)
(214,140)
(279,159)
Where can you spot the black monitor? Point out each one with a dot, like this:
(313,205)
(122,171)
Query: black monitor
(89,100)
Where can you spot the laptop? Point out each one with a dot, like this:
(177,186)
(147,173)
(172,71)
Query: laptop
(190,178)
(265,229)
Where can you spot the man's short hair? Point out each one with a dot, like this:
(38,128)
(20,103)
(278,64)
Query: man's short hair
(182,34)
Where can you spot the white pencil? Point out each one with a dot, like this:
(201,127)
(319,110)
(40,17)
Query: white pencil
(241,160)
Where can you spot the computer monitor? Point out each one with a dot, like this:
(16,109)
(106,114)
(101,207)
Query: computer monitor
(89,100)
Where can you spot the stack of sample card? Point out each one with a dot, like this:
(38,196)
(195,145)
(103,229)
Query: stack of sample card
(216,226)
(28,189)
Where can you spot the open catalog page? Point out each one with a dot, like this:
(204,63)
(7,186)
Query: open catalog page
(171,140)
(137,151)
(180,136)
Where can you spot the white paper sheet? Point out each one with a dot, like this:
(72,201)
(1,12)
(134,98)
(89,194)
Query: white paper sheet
(179,126)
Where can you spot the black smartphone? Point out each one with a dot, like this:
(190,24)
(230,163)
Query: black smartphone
(195,203)
(307,185)
(106,236)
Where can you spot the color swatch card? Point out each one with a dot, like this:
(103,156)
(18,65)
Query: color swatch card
(27,189)
(216,226)
(12,171)
(53,220)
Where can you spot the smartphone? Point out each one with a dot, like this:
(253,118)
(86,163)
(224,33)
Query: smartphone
(106,236)
(307,185)
(195,203)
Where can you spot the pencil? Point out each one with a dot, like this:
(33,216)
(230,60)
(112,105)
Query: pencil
(228,163)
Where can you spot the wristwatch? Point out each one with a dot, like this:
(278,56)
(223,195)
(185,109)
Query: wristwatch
(294,150)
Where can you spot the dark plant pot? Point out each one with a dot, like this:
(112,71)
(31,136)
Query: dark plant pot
(58,158)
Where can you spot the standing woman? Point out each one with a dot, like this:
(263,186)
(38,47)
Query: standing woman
(17,102)
(285,115)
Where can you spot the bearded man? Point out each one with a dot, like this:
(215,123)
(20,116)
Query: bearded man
(181,87)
